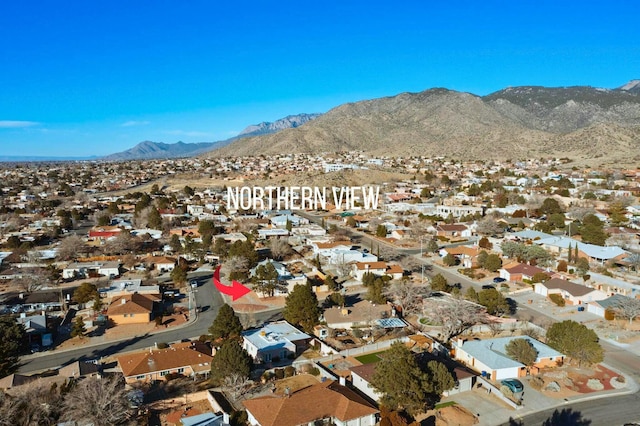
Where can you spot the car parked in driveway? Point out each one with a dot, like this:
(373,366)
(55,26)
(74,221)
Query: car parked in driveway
(499,280)
(514,385)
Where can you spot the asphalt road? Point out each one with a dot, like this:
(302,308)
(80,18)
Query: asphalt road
(207,298)
(616,411)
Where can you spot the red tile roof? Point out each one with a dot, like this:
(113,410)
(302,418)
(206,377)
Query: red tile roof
(324,400)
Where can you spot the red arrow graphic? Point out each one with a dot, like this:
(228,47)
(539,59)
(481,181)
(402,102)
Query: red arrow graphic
(236,290)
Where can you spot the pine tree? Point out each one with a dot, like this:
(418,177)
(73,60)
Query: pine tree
(301,307)
(78,328)
(570,254)
(230,359)
(226,325)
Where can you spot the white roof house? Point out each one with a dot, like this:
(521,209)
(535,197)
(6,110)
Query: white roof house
(276,340)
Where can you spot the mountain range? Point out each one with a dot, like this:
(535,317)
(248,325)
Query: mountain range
(152,150)
(580,122)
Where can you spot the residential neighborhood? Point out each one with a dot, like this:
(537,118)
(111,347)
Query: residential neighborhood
(476,285)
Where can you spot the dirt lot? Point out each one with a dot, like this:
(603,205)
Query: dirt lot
(295,383)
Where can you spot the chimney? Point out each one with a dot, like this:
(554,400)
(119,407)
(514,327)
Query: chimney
(225,419)
(343,381)
(123,301)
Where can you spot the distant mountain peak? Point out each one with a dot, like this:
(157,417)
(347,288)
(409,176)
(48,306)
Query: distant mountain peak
(290,121)
(632,86)
(147,150)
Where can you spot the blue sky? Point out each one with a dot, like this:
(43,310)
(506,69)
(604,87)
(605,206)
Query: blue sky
(82,78)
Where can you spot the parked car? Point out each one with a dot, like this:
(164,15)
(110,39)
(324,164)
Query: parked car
(488,287)
(499,280)
(514,385)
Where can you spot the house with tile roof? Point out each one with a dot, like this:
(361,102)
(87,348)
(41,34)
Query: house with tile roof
(517,272)
(489,357)
(133,308)
(186,358)
(328,401)
(572,293)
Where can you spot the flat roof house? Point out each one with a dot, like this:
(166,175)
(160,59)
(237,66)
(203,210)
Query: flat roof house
(274,341)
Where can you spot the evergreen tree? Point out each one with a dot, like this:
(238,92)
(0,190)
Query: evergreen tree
(493,262)
(226,325)
(84,293)
(570,254)
(13,337)
(154,220)
(592,230)
(230,359)
(400,381)
(266,279)
(179,274)
(522,351)
(440,283)
(78,328)
(494,301)
(301,308)
(575,341)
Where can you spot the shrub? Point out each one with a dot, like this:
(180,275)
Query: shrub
(163,345)
(621,379)
(314,371)
(609,315)
(557,299)
(279,373)
(536,382)
(266,376)
(289,371)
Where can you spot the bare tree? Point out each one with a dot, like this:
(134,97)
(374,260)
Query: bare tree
(407,295)
(627,308)
(238,264)
(32,279)
(634,261)
(123,243)
(280,248)
(35,403)
(494,328)
(489,226)
(236,385)
(411,264)
(456,315)
(69,247)
(579,212)
(102,402)
(343,267)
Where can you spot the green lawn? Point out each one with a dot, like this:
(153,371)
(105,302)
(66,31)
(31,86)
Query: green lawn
(370,358)
(445,404)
